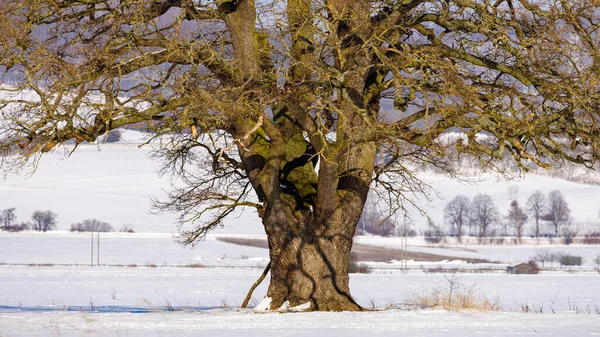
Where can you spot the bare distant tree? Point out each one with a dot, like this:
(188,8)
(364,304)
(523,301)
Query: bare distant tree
(536,207)
(555,257)
(92,225)
(516,218)
(569,231)
(543,256)
(456,214)
(558,212)
(512,190)
(483,213)
(505,225)
(7,217)
(597,261)
(373,220)
(44,220)
(434,232)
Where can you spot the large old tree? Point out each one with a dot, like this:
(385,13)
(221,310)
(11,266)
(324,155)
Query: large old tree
(297,108)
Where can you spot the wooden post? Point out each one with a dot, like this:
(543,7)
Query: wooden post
(92,258)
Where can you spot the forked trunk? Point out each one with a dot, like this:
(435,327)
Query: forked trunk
(311,268)
(310,234)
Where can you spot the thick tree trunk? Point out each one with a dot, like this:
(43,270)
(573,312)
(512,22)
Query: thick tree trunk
(311,268)
(310,254)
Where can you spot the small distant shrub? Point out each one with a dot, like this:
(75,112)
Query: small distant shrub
(195,265)
(93,307)
(40,265)
(126,229)
(17,228)
(411,233)
(357,267)
(360,268)
(535,269)
(567,240)
(569,234)
(433,236)
(592,238)
(571,260)
(433,240)
(169,307)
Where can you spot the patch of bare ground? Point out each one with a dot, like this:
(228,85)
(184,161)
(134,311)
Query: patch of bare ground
(258,243)
(367,252)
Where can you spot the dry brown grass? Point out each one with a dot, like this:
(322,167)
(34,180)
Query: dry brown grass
(456,296)
(458,301)
(367,252)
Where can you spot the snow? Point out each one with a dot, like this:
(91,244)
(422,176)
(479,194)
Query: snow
(149,285)
(226,322)
(124,249)
(506,254)
(286,307)
(264,305)
(144,270)
(36,301)
(115,182)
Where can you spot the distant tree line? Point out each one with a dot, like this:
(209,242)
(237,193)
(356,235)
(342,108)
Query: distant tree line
(43,221)
(549,216)
(545,256)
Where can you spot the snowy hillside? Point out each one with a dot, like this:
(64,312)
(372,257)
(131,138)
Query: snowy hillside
(115,182)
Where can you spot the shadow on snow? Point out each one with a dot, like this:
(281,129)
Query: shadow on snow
(103,309)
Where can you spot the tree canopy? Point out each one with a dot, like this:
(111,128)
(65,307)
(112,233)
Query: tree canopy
(297,107)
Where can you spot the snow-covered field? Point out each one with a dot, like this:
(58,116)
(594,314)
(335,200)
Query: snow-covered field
(139,249)
(114,182)
(154,288)
(149,285)
(229,322)
(55,301)
(504,254)
(143,297)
